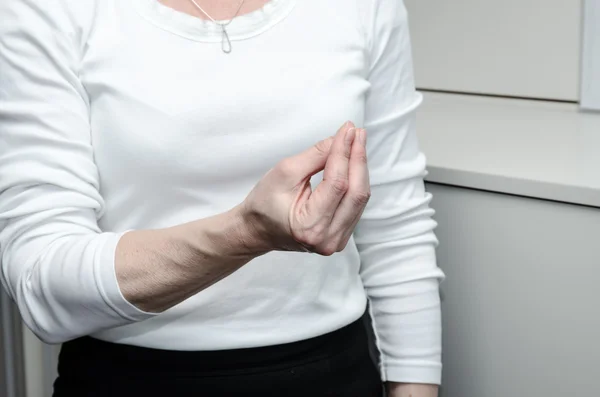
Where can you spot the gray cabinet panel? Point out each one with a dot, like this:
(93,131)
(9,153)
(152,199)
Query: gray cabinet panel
(521,301)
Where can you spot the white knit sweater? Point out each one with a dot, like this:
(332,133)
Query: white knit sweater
(125,114)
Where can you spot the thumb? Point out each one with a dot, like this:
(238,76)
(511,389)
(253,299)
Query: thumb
(312,160)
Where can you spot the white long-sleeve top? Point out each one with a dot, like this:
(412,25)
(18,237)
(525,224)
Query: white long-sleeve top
(118,115)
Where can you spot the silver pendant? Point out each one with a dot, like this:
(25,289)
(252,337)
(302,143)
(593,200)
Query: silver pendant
(225,42)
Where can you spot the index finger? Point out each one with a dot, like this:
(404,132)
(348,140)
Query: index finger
(329,193)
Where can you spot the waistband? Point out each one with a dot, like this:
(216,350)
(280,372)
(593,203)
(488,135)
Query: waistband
(91,356)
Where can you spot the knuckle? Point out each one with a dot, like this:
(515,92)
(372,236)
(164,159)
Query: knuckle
(286,167)
(362,198)
(327,250)
(339,185)
(362,158)
(330,247)
(345,154)
(313,237)
(323,147)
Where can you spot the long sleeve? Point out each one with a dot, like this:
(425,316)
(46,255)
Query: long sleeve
(56,263)
(395,235)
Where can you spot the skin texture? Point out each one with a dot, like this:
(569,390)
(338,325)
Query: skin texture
(219,10)
(157,269)
(395,389)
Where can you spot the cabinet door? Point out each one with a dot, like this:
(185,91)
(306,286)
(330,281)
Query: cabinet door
(525,48)
(520,299)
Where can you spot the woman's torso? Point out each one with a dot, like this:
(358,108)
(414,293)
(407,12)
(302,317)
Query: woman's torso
(181,131)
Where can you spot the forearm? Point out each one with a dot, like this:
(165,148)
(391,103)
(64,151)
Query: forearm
(157,269)
(395,389)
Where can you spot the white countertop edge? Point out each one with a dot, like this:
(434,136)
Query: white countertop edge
(537,149)
(514,186)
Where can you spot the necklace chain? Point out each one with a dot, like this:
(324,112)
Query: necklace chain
(225,42)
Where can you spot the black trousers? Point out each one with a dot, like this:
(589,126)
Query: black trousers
(335,364)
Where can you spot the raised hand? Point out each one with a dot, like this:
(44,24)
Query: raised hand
(284,213)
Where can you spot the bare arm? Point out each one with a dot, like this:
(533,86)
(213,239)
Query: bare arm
(395,389)
(58,264)
(157,269)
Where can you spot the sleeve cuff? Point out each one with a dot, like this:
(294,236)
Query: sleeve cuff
(108,285)
(428,373)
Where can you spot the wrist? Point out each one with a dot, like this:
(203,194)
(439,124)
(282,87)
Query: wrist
(226,238)
(399,389)
(247,233)
(232,236)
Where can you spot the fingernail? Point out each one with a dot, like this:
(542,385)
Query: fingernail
(362,136)
(350,135)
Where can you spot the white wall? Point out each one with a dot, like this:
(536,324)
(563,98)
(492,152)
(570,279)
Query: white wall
(528,48)
(590,82)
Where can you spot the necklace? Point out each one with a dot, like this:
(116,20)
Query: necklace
(225,42)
